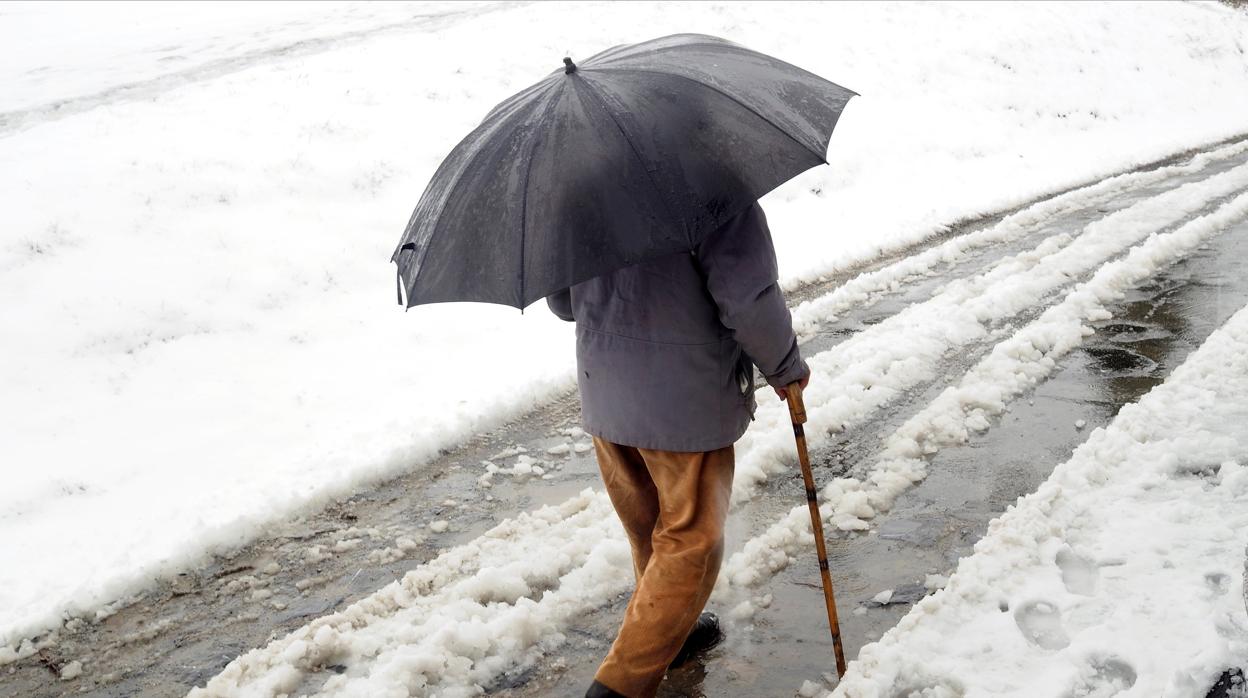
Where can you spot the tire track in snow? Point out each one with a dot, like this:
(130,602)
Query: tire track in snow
(1014,365)
(866,372)
(864,289)
(1026,272)
(1169,468)
(915,279)
(20,119)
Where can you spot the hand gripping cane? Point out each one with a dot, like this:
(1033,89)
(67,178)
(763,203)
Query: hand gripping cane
(797,410)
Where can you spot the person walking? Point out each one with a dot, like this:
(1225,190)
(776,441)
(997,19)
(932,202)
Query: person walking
(666,351)
(623,189)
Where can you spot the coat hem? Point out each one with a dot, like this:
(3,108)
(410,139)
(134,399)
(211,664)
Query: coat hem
(662,445)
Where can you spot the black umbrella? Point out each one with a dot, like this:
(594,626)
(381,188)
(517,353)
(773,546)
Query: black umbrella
(637,152)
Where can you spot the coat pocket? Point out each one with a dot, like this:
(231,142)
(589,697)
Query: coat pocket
(745,382)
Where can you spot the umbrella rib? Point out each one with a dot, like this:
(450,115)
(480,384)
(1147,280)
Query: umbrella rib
(517,99)
(524,199)
(603,58)
(712,88)
(637,154)
(725,45)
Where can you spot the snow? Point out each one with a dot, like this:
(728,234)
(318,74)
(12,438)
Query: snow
(1123,571)
(196,302)
(837,394)
(525,468)
(456,623)
(865,371)
(862,289)
(71,670)
(809,689)
(60,52)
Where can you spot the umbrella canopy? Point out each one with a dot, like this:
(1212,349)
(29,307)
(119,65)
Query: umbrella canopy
(640,151)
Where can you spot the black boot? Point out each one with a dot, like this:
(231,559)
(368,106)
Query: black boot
(597,690)
(705,635)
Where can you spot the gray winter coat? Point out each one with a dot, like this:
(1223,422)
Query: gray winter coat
(664,348)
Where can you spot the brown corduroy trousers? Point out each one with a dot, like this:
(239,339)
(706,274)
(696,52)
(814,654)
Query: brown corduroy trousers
(673,506)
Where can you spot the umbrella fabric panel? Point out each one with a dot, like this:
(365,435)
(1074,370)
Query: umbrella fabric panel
(681,42)
(709,157)
(801,103)
(477,188)
(592,202)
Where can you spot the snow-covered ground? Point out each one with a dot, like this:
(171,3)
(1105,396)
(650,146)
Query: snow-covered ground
(57,53)
(1122,575)
(196,304)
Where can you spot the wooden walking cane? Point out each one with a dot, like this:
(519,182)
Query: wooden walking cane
(797,410)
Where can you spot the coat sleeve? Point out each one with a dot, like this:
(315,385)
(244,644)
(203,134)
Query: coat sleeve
(738,262)
(560,303)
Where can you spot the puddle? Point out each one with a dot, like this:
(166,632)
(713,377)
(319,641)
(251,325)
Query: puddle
(1121,361)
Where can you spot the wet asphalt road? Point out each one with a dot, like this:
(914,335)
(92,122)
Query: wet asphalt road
(185,630)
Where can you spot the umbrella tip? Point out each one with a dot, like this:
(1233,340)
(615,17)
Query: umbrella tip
(568,66)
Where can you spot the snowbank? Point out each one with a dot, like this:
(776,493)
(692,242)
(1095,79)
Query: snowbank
(1123,572)
(858,376)
(458,622)
(197,327)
